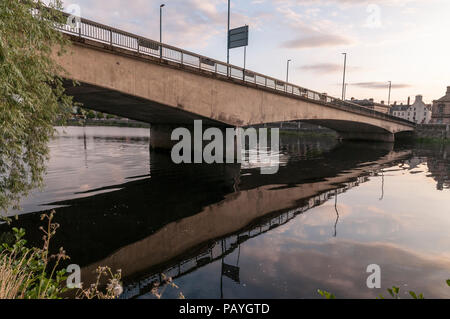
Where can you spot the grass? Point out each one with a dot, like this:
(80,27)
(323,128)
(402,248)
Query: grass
(14,275)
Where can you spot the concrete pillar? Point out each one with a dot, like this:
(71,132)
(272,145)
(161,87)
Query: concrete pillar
(366,136)
(160,140)
(160,137)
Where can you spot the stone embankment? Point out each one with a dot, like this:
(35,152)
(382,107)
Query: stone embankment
(433,131)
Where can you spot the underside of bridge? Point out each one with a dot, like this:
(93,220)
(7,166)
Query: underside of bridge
(164,118)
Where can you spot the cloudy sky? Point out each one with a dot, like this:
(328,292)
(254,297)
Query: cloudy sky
(403,41)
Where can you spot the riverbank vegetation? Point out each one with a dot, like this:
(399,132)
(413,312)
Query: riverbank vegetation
(431,140)
(32,97)
(32,100)
(115,123)
(36,273)
(310,134)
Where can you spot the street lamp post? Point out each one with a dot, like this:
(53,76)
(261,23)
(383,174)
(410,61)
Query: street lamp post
(389,98)
(228,38)
(160,28)
(287,71)
(343,82)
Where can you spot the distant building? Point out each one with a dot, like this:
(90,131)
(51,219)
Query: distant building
(441,109)
(371,104)
(400,110)
(418,112)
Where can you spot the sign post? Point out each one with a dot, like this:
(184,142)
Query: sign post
(237,38)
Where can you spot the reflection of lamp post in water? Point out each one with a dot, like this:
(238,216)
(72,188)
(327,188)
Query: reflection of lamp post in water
(382,184)
(337,213)
(230,271)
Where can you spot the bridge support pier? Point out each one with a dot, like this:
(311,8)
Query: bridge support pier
(368,136)
(160,137)
(161,140)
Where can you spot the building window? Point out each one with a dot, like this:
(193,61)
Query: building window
(441,108)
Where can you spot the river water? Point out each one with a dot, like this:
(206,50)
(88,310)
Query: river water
(228,231)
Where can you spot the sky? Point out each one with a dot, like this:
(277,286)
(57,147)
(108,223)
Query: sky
(403,41)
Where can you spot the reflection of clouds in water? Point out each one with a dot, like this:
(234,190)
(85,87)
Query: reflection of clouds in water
(340,267)
(106,157)
(255,158)
(317,223)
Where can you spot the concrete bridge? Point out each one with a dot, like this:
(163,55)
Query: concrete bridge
(141,79)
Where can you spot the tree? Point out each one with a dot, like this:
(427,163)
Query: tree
(90,115)
(32,98)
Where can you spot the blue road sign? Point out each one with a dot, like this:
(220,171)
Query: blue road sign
(238,37)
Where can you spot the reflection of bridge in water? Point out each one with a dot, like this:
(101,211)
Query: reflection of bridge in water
(193,236)
(221,248)
(175,219)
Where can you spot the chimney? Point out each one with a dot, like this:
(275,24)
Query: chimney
(382,102)
(419,98)
(409,100)
(448,89)
(371,100)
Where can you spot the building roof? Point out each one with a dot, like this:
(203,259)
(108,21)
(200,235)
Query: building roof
(368,102)
(399,108)
(445,98)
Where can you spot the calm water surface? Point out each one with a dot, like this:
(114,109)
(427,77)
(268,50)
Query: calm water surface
(227,231)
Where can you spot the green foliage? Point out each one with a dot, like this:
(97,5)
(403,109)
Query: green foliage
(32,273)
(90,114)
(32,96)
(326,294)
(394,291)
(38,280)
(414,295)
